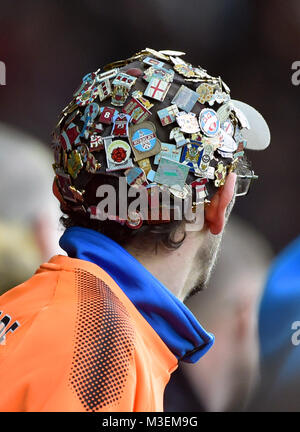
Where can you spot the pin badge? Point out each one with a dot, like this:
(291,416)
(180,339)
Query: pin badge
(209,122)
(136,109)
(135,176)
(56,146)
(178,136)
(90,113)
(159,73)
(107,75)
(77,194)
(96,143)
(225,155)
(201,191)
(134,220)
(185,98)
(145,165)
(227,143)
(172,53)
(120,124)
(72,117)
(220,174)
(258,136)
(205,92)
(106,115)
(182,194)
(65,160)
(119,95)
(191,156)
(87,81)
(135,72)
(87,97)
(183,68)
(188,122)
(168,115)
(74,163)
(92,165)
(228,127)
(214,141)
(70,137)
(224,111)
(151,175)
(219,97)
(240,140)
(104,89)
(169,151)
(207,155)
(83,151)
(240,150)
(64,181)
(117,154)
(143,140)
(123,79)
(137,94)
(157,89)
(197,137)
(153,62)
(171,173)
(155,53)
(97,128)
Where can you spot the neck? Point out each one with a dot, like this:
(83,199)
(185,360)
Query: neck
(175,269)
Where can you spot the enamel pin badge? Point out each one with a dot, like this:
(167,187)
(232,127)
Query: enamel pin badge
(169,151)
(185,98)
(143,140)
(188,122)
(171,173)
(117,154)
(168,115)
(157,89)
(209,122)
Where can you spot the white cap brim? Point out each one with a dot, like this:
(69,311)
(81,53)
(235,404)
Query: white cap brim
(258,136)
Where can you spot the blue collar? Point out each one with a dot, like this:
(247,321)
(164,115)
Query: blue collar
(167,315)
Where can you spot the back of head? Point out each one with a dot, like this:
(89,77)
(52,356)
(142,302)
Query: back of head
(149,124)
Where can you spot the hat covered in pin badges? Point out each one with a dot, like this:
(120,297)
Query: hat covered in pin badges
(155,120)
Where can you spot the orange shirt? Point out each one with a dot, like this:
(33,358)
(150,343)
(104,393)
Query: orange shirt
(78,344)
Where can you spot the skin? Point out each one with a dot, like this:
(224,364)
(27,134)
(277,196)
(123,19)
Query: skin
(195,258)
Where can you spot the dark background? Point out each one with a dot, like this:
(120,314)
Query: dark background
(48,46)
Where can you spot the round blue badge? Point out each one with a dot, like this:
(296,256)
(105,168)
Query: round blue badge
(209,122)
(143,140)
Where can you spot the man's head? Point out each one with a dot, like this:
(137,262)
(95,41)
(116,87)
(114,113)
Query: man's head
(146,153)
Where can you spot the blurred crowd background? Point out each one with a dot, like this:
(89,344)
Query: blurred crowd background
(47,46)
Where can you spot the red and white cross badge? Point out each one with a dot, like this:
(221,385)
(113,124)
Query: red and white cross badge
(157,89)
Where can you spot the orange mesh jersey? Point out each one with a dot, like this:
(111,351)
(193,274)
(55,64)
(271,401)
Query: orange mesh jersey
(73,341)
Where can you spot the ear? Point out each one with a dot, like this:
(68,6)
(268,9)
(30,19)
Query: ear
(215,211)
